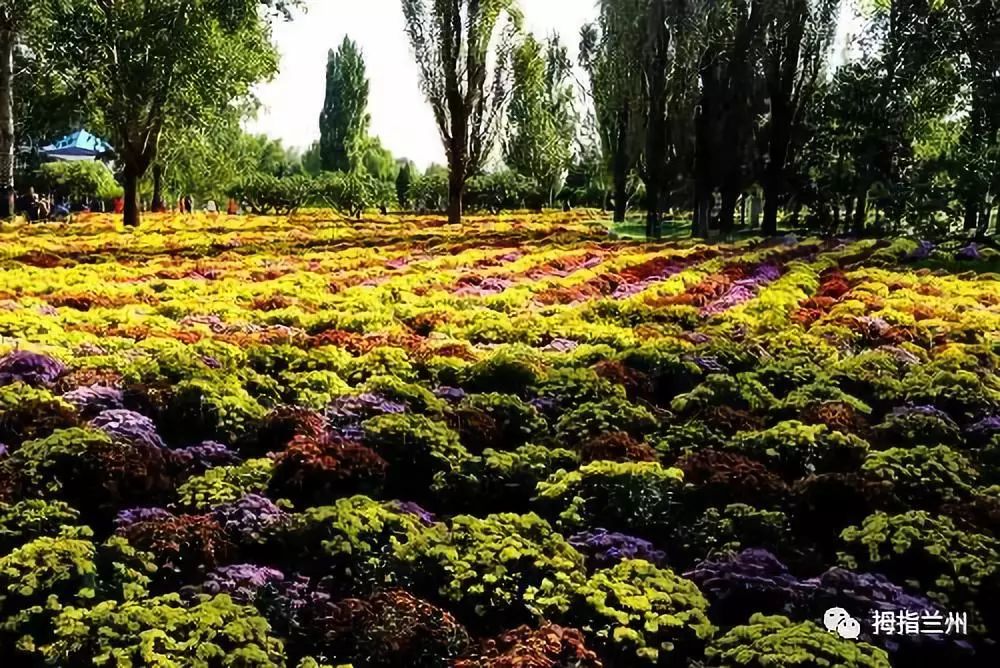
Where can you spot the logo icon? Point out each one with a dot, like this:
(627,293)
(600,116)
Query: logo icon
(839,621)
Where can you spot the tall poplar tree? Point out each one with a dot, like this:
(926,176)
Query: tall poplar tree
(343,123)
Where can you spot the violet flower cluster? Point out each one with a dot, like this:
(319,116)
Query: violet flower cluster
(128,426)
(604,548)
(29,368)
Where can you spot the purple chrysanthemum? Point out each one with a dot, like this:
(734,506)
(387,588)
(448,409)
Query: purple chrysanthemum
(249,517)
(30,368)
(606,548)
(132,516)
(450,394)
(129,426)
(241,581)
(196,459)
(94,399)
(411,508)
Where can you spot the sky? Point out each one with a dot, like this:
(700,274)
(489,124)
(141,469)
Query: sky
(400,114)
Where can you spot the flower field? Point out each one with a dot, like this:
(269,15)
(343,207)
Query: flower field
(518,444)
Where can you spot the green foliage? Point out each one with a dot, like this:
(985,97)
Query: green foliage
(924,476)
(777,642)
(647,615)
(356,537)
(32,412)
(498,568)
(633,497)
(343,123)
(40,578)
(730,529)
(508,370)
(225,484)
(416,397)
(600,417)
(80,180)
(428,192)
(798,449)
(163,631)
(405,177)
(503,190)
(416,448)
(573,385)
(517,421)
(352,193)
(542,118)
(500,481)
(219,408)
(32,518)
(926,550)
(266,194)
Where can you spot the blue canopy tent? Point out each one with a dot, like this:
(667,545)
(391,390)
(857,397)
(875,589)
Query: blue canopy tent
(80,145)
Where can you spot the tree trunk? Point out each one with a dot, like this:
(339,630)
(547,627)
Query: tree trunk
(754,211)
(7,119)
(620,168)
(971,214)
(131,213)
(157,204)
(860,212)
(727,211)
(836,218)
(771,195)
(743,210)
(456,188)
(770,226)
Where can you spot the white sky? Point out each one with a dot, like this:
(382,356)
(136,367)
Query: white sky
(400,115)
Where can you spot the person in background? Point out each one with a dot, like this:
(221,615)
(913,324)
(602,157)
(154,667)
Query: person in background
(211,206)
(119,205)
(188,204)
(232,209)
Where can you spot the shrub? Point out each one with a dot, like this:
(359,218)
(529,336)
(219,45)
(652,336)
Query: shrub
(613,415)
(311,472)
(32,518)
(414,397)
(213,632)
(284,423)
(730,528)
(79,180)
(225,484)
(29,413)
(128,426)
(634,497)
(515,421)
(717,478)
(184,547)
(777,642)
(922,475)
(503,189)
(602,548)
(928,550)
(90,400)
(645,614)
(616,447)
(85,468)
(524,647)
(354,192)
(798,449)
(497,569)
(249,519)
(910,425)
(753,580)
(500,481)
(218,409)
(241,582)
(401,630)
(44,576)
(567,387)
(508,371)
(35,369)
(354,540)
(415,447)
(196,459)
(265,194)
